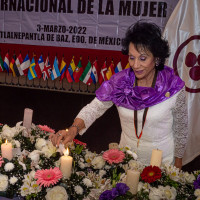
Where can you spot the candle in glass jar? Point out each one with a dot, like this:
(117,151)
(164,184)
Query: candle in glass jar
(156,157)
(6,150)
(66,164)
(132,180)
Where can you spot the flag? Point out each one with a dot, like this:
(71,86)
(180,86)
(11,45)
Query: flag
(70,71)
(6,63)
(47,69)
(16,67)
(127,66)
(1,64)
(86,75)
(55,71)
(110,71)
(63,68)
(25,65)
(12,64)
(94,74)
(118,68)
(102,74)
(183,33)
(31,71)
(39,67)
(78,71)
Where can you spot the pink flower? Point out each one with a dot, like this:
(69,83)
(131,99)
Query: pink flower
(113,156)
(47,177)
(46,128)
(79,142)
(1,161)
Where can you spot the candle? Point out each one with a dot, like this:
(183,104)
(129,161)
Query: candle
(6,150)
(66,164)
(132,180)
(113,146)
(28,114)
(156,157)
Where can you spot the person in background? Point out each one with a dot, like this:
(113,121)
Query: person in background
(150,100)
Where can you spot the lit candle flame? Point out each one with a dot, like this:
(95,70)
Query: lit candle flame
(66,152)
(6,142)
(66,129)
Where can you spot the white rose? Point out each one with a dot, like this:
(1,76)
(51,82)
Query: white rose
(3,182)
(189,177)
(170,192)
(34,155)
(8,132)
(197,192)
(98,162)
(57,193)
(156,193)
(49,149)
(40,143)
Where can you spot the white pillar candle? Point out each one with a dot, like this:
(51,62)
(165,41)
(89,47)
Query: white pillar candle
(132,180)
(28,115)
(66,164)
(156,157)
(6,150)
(113,146)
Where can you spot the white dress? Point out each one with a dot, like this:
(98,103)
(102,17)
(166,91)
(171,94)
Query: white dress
(166,126)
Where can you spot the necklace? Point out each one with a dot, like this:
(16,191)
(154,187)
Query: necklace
(144,114)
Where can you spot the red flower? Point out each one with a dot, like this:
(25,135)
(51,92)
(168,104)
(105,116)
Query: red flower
(151,174)
(79,142)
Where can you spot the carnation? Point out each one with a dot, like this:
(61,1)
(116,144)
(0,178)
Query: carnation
(78,189)
(3,182)
(98,162)
(87,182)
(57,193)
(13,180)
(9,167)
(34,155)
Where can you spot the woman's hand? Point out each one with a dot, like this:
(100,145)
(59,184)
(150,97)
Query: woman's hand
(178,163)
(63,136)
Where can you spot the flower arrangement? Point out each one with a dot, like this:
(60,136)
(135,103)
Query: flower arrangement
(34,171)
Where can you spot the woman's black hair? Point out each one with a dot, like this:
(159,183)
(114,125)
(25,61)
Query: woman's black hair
(147,36)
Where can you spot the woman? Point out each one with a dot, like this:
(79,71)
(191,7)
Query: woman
(150,100)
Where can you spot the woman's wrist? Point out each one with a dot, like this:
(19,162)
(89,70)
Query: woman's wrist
(76,127)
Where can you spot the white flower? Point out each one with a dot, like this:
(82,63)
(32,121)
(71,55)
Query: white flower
(23,165)
(87,182)
(17,143)
(57,193)
(98,162)
(198,198)
(81,165)
(24,190)
(189,177)
(8,132)
(102,173)
(9,167)
(89,156)
(134,155)
(34,155)
(170,193)
(49,149)
(197,192)
(78,189)
(40,143)
(13,180)
(3,182)
(144,186)
(156,193)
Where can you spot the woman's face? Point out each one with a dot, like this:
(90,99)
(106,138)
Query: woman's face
(142,62)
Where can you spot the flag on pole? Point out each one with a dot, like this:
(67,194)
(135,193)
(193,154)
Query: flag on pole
(102,75)
(183,33)
(31,71)
(16,67)
(55,71)
(12,64)
(110,71)
(78,71)
(25,65)
(118,68)
(94,74)
(47,69)
(1,64)
(86,75)
(39,67)
(63,68)
(6,63)
(127,66)
(70,71)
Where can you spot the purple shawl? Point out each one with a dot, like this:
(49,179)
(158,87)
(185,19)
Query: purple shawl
(119,89)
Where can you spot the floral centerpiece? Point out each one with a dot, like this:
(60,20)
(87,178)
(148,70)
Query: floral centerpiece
(34,171)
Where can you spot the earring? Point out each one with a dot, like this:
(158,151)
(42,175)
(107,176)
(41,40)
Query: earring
(157,62)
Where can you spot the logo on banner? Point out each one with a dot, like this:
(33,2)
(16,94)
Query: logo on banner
(190,63)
